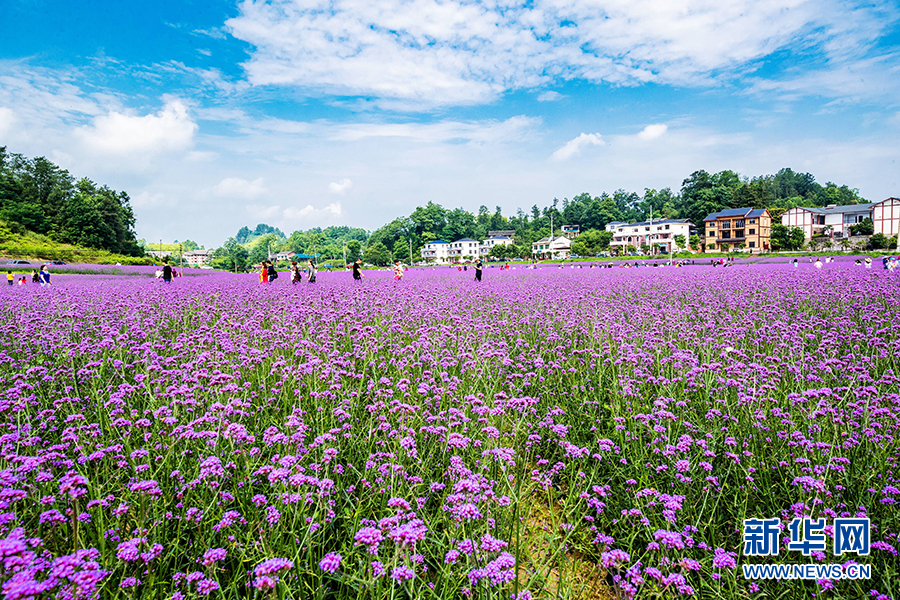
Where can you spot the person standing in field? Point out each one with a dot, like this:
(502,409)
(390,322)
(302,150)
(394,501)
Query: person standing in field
(295,273)
(478,268)
(10,278)
(270,268)
(818,263)
(868,263)
(34,277)
(263,273)
(167,273)
(357,270)
(45,275)
(312,271)
(398,271)
(795,264)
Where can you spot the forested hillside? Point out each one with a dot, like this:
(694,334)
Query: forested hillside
(38,196)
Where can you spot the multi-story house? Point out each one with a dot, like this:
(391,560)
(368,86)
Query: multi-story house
(197,258)
(552,247)
(658,235)
(463,249)
(497,240)
(886,216)
(833,221)
(749,228)
(437,251)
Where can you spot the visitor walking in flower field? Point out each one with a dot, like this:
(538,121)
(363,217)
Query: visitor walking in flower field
(166,273)
(357,273)
(818,264)
(270,268)
(10,277)
(263,272)
(398,271)
(478,267)
(868,263)
(311,269)
(296,277)
(34,277)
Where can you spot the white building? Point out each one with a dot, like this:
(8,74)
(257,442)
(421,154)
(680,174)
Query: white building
(197,258)
(814,220)
(886,216)
(437,251)
(497,240)
(463,249)
(552,247)
(658,234)
(282,256)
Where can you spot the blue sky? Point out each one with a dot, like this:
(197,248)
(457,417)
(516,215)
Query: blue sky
(304,113)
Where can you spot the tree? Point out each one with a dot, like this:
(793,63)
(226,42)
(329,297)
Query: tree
(231,256)
(694,242)
(865,227)
(786,238)
(377,254)
(591,242)
(353,250)
(679,240)
(878,241)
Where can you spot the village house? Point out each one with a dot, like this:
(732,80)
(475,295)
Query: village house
(197,258)
(463,249)
(886,216)
(437,251)
(551,247)
(497,240)
(833,221)
(658,235)
(749,228)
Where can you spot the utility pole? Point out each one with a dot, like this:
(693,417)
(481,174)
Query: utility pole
(410,252)
(181,257)
(345,254)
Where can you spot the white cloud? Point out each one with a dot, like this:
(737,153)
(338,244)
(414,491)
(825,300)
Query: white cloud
(293,214)
(339,187)
(651,132)
(445,52)
(116,133)
(573,147)
(550,96)
(486,131)
(6,120)
(235,187)
(263,213)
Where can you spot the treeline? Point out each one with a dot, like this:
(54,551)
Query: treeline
(249,247)
(701,194)
(38,196)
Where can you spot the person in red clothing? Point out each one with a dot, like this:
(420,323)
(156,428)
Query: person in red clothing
(264,273)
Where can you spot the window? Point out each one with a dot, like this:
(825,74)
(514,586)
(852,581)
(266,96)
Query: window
(712,234)
(667,227)
(646,229)
(753,221)
(726,225)
(752,232)
(739,224)
(753,244)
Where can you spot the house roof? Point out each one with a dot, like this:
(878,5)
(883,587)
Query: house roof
(655,222)
(849,208)
(499,237)
(437,242)
(466,240)
(735,212)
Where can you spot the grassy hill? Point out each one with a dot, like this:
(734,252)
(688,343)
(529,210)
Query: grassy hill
(36,247)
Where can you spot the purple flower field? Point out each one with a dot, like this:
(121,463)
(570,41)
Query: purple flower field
(587,433)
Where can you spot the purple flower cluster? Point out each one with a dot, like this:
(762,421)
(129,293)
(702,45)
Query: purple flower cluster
(430,432)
